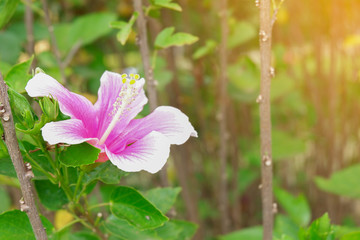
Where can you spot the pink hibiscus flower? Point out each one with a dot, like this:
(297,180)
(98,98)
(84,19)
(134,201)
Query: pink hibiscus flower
(130,144)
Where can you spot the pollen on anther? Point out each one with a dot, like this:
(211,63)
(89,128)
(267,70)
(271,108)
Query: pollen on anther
(137,76)
(124,80)
(132,81)
(124,75)
(131,75)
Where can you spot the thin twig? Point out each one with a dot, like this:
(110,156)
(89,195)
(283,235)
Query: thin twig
(265,119)
(33,7)
(145,55)
(71,54)
(223,191)
(55,46)
(24,173)
(142,41)
(29,21)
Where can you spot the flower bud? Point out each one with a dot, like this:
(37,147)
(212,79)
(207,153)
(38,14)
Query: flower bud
(50,108)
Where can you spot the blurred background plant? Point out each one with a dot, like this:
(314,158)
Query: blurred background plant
(314,95)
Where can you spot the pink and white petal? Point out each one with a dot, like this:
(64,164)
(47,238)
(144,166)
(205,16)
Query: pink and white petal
(72,104)
(71,131)
(149,153)
(110,87)
(167,120)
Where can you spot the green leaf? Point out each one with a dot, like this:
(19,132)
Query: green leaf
(177,230)
(241,33)
(125,28)
(285,226)
(83,236)
(18,76)
(253,233)
(79,154)
(285,237)
(351,236)
(208,48)
(51,195)
(320,229)
(106,172)
(129,204)
(171,230)
(168,231)
(167,4)
(49,228)
(37,126)
(15,225)
(341,231)
(122,229)
(163,198)
(342,182)
(83,30)
(7,9)
(297,207)
(21,109)
(166,38)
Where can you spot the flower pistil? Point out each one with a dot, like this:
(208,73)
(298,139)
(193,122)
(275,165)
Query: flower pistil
(126,96)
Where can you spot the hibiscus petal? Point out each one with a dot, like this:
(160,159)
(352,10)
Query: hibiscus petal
(72,104)
(149,153)
(110,87)
(71,131)
(169,121)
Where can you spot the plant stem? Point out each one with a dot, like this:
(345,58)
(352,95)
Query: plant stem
(69,224)
(23,174)
(29,21)
(99,205)
(145,55)
(39,141)
(265,119)
(223,194)
(78,183)
(55,46)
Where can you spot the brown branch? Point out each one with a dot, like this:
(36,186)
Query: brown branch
(142,41)
(29,21)
(223,194)
(54,44)
(23,172)
(265,118)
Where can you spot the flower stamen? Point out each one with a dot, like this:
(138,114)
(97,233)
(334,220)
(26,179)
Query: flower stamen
(126,96)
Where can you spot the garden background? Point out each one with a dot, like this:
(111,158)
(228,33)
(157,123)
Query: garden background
(315,93)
